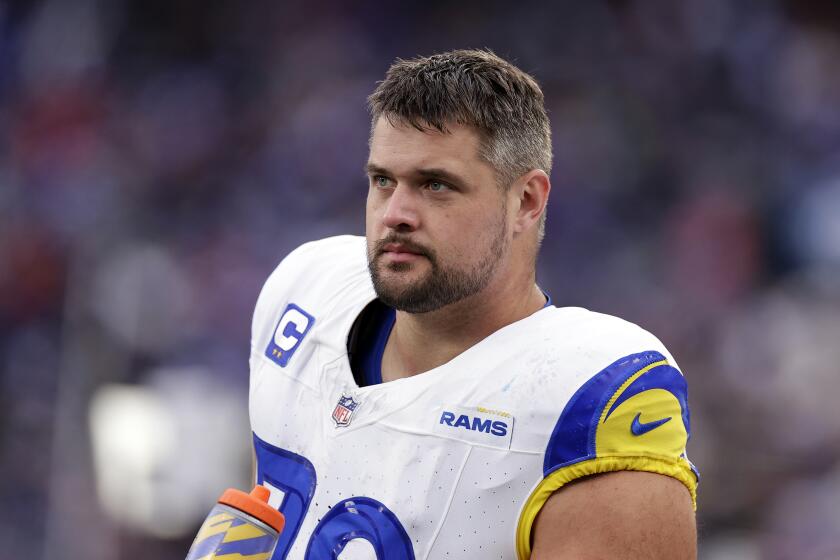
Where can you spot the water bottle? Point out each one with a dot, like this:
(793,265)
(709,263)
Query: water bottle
(240,524)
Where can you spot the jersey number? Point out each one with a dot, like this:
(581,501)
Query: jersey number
(354,518)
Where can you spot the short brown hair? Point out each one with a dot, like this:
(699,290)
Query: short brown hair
(474,88)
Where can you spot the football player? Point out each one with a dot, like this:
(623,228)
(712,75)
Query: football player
(415,394)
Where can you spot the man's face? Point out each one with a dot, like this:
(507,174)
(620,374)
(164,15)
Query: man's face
(436,220)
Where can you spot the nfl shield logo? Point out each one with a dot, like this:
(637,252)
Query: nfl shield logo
(343,411)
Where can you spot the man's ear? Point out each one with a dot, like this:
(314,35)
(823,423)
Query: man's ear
(531,195)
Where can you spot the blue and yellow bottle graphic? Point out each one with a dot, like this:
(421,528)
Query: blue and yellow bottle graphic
(240,527)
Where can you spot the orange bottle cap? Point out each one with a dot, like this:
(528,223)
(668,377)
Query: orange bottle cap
(255,504)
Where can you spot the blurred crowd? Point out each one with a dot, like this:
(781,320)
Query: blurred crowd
(158,158)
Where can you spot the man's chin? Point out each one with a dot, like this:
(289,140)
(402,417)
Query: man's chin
(397,289)
(402,267)
(398,282)
(401,285)
(403,301)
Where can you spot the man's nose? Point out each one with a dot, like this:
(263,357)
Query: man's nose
(401,209)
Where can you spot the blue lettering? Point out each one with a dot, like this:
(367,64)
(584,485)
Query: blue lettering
(499,428)
(481,425)
(463,421)
(475,423)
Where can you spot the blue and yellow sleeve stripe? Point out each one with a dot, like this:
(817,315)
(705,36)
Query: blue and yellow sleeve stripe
(633,415)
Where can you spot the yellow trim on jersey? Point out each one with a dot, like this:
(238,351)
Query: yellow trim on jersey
(679,469)
(658,407)
(626,384)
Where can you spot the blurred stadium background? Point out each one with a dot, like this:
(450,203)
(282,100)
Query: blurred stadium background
(158,158)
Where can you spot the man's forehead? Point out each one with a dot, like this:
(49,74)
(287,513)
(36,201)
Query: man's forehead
(395,142)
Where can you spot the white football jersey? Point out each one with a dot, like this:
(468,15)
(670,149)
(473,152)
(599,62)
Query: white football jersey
(455,462)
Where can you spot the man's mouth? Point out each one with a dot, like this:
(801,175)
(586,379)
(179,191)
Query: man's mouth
(399,248)
(400,252)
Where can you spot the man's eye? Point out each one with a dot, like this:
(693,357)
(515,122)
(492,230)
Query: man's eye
(381,181)
(437,186)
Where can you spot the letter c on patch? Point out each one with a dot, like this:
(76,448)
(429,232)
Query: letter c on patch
(299,323)
(288,334)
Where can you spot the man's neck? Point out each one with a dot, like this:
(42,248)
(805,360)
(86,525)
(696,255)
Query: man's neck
(423,341)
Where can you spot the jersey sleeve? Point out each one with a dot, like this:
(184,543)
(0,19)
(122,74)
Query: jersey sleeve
(299,293)
(274,295)
(632,415)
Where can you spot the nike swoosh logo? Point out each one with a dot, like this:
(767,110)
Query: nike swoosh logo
(639,428)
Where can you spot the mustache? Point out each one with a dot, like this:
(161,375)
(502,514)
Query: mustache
(408,244)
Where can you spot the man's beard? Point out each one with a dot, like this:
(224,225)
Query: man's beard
(440,286)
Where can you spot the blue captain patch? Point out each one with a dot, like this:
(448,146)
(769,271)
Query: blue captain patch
(292,327)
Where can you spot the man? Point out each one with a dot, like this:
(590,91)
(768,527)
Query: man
(416,395)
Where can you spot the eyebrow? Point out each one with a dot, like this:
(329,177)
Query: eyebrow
(373,169)
(425,173)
